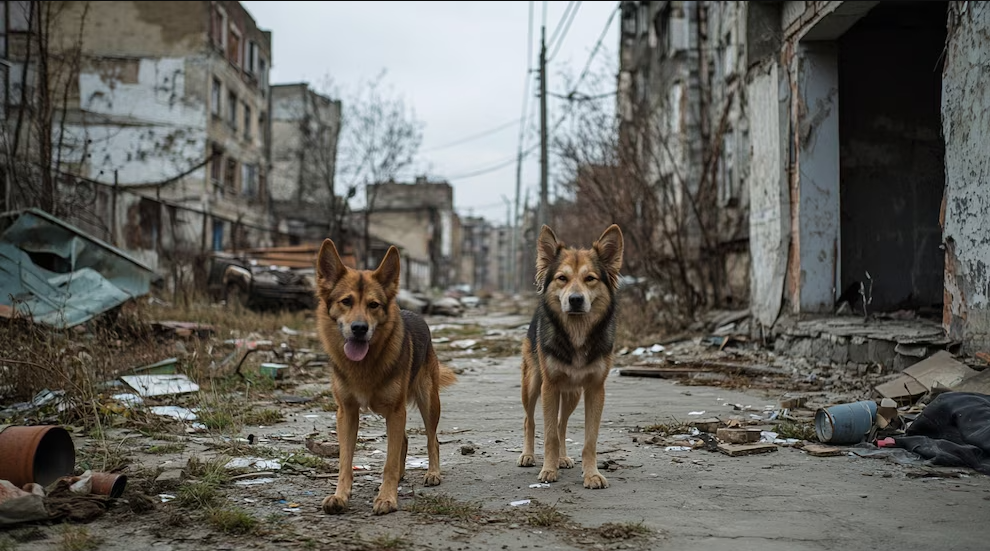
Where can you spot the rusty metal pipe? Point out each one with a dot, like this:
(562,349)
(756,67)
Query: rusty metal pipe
(39,454)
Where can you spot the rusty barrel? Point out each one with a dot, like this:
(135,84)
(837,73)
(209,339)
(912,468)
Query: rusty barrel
(39,454)
(109,484)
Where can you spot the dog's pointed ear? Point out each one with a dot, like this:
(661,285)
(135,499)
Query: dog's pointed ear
(547,248)
(609,250)
(329,267)
(388,272)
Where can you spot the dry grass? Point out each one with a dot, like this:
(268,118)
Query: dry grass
(78,538)
(232,521)
(443,505)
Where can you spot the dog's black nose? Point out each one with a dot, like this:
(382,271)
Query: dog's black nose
(359,328)
(576,300)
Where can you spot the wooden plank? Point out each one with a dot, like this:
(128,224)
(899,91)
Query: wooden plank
(819,450)
(737,450)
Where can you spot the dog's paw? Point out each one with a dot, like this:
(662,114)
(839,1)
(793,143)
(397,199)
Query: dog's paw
(566,463)
(384,506)
(595,481)
(334,504)
(549,475)
(432,479)
(526,460)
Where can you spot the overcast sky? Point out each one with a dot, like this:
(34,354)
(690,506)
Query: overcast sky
(462,66)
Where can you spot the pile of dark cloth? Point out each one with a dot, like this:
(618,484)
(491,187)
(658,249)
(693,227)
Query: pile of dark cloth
(953,431)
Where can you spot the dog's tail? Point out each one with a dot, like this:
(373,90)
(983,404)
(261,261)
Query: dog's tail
(447,376)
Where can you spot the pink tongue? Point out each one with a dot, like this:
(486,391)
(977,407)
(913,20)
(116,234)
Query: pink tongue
(355,351)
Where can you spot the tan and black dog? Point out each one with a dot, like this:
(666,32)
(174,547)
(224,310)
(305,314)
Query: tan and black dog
(569,348)
(382,360)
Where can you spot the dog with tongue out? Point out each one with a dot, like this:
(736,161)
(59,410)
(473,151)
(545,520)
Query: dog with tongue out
(382,360)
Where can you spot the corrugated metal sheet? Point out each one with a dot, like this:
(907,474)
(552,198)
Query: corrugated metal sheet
(60,276)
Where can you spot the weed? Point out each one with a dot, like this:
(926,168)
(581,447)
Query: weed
(102,455)
(232,521)
(623,530)
(309,461)
(197,495)
(445,506)
(78,538)
(162,449)
(7,544)
(801,431)
(545,516)
(267,416)
(213,472)
(673,427)
(175,518)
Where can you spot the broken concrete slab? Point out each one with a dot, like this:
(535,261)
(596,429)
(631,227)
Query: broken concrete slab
(736,450)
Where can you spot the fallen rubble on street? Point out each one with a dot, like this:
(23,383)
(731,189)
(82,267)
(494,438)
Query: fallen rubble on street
(223,430)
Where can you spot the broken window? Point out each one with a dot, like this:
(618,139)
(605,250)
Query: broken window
(216,167)
(262,75)
(249,181)
(232,110)
(218,27)
(234,46)
(215,97)
(230,177)
(247,122)
(252,59)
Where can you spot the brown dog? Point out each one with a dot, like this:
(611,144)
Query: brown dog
(568,348)
(382,358)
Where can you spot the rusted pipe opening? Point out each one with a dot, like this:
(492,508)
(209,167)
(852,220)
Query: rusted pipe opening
(54,457)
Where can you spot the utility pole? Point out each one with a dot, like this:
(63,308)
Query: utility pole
(510,265)
(543,129)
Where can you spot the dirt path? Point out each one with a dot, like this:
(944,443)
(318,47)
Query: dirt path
(658,499)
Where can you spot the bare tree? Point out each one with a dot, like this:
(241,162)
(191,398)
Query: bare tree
(32,136)
(380,137)
(632,171)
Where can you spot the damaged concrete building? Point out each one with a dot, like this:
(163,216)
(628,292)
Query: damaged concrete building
(684,129)
(161,134)
(419,219)
(860,147)
(305,132)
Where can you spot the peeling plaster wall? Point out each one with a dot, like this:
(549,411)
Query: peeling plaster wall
(769,216)
(966,128)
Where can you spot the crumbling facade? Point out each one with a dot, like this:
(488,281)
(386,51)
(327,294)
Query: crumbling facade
(684,132)
(162,128)
(418,218)
(305,131)
(852,148)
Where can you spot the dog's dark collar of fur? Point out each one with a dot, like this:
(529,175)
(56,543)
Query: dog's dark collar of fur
(547,331)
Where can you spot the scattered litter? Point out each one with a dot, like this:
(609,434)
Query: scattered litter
(166,497)
(768,437)
(160,385)
(288,331)
(677,449)
(363,468)
(696,412)
(465,343)
(657,348)
(540,485)
(254,481)
(520,502)
(417,462)
(273,370)
(256,462)
(176,412)
(639,351)
(311,416)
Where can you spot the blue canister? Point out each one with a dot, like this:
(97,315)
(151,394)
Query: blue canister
(845,423)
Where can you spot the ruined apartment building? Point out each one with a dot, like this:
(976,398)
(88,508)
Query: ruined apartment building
(305,131)
(418,218)
(683,122)
(870,123)
(171,104)
(851,140)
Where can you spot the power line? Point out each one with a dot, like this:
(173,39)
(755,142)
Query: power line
(598,44)
(560,24)
(560,41)
(473,137)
